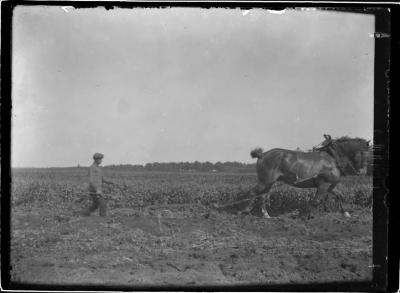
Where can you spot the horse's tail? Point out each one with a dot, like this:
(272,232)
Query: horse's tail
(256,153)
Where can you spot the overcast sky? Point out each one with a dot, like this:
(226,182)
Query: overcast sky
(185,84)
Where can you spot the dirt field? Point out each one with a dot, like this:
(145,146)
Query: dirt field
(187,244)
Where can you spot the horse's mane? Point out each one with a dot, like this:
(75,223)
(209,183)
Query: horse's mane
(351,144)
(344,139)
(347,143)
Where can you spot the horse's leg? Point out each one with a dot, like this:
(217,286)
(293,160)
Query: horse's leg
(271,177)
(324,199)
(322,189)
(256,190)
(339,196)
(265,200)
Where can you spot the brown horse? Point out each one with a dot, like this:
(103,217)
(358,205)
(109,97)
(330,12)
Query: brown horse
(319,169)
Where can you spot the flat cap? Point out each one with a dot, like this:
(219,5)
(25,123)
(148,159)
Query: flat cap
(98,156)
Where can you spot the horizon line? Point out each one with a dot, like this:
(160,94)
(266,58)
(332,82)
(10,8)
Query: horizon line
(127,164)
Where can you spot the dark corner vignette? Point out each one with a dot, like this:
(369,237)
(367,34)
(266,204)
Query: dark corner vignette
(392,198)
(381,136)
(381,152)
(5,125)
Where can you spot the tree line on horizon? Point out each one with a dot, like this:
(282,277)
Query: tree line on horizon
(187,167)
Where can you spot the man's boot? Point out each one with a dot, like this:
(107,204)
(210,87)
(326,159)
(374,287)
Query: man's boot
(94,206)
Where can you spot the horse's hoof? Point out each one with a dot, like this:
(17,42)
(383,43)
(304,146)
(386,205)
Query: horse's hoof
(346,214)
(266,216)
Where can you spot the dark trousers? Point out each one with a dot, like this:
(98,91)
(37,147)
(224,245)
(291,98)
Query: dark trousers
(98,202)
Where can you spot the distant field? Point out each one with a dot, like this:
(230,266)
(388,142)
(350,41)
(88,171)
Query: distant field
(160,231)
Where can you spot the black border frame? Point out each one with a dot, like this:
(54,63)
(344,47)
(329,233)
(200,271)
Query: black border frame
(383,280)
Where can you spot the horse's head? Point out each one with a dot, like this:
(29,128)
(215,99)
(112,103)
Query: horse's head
(352,154)
(357,151)
(363,157)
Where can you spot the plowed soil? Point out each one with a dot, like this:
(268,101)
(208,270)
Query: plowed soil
(188,245)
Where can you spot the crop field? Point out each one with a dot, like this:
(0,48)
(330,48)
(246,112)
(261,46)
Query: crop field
(161,231)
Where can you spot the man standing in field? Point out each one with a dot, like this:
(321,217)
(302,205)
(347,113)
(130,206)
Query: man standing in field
(95,186)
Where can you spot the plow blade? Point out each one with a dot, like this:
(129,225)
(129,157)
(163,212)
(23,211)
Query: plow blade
(236,206)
